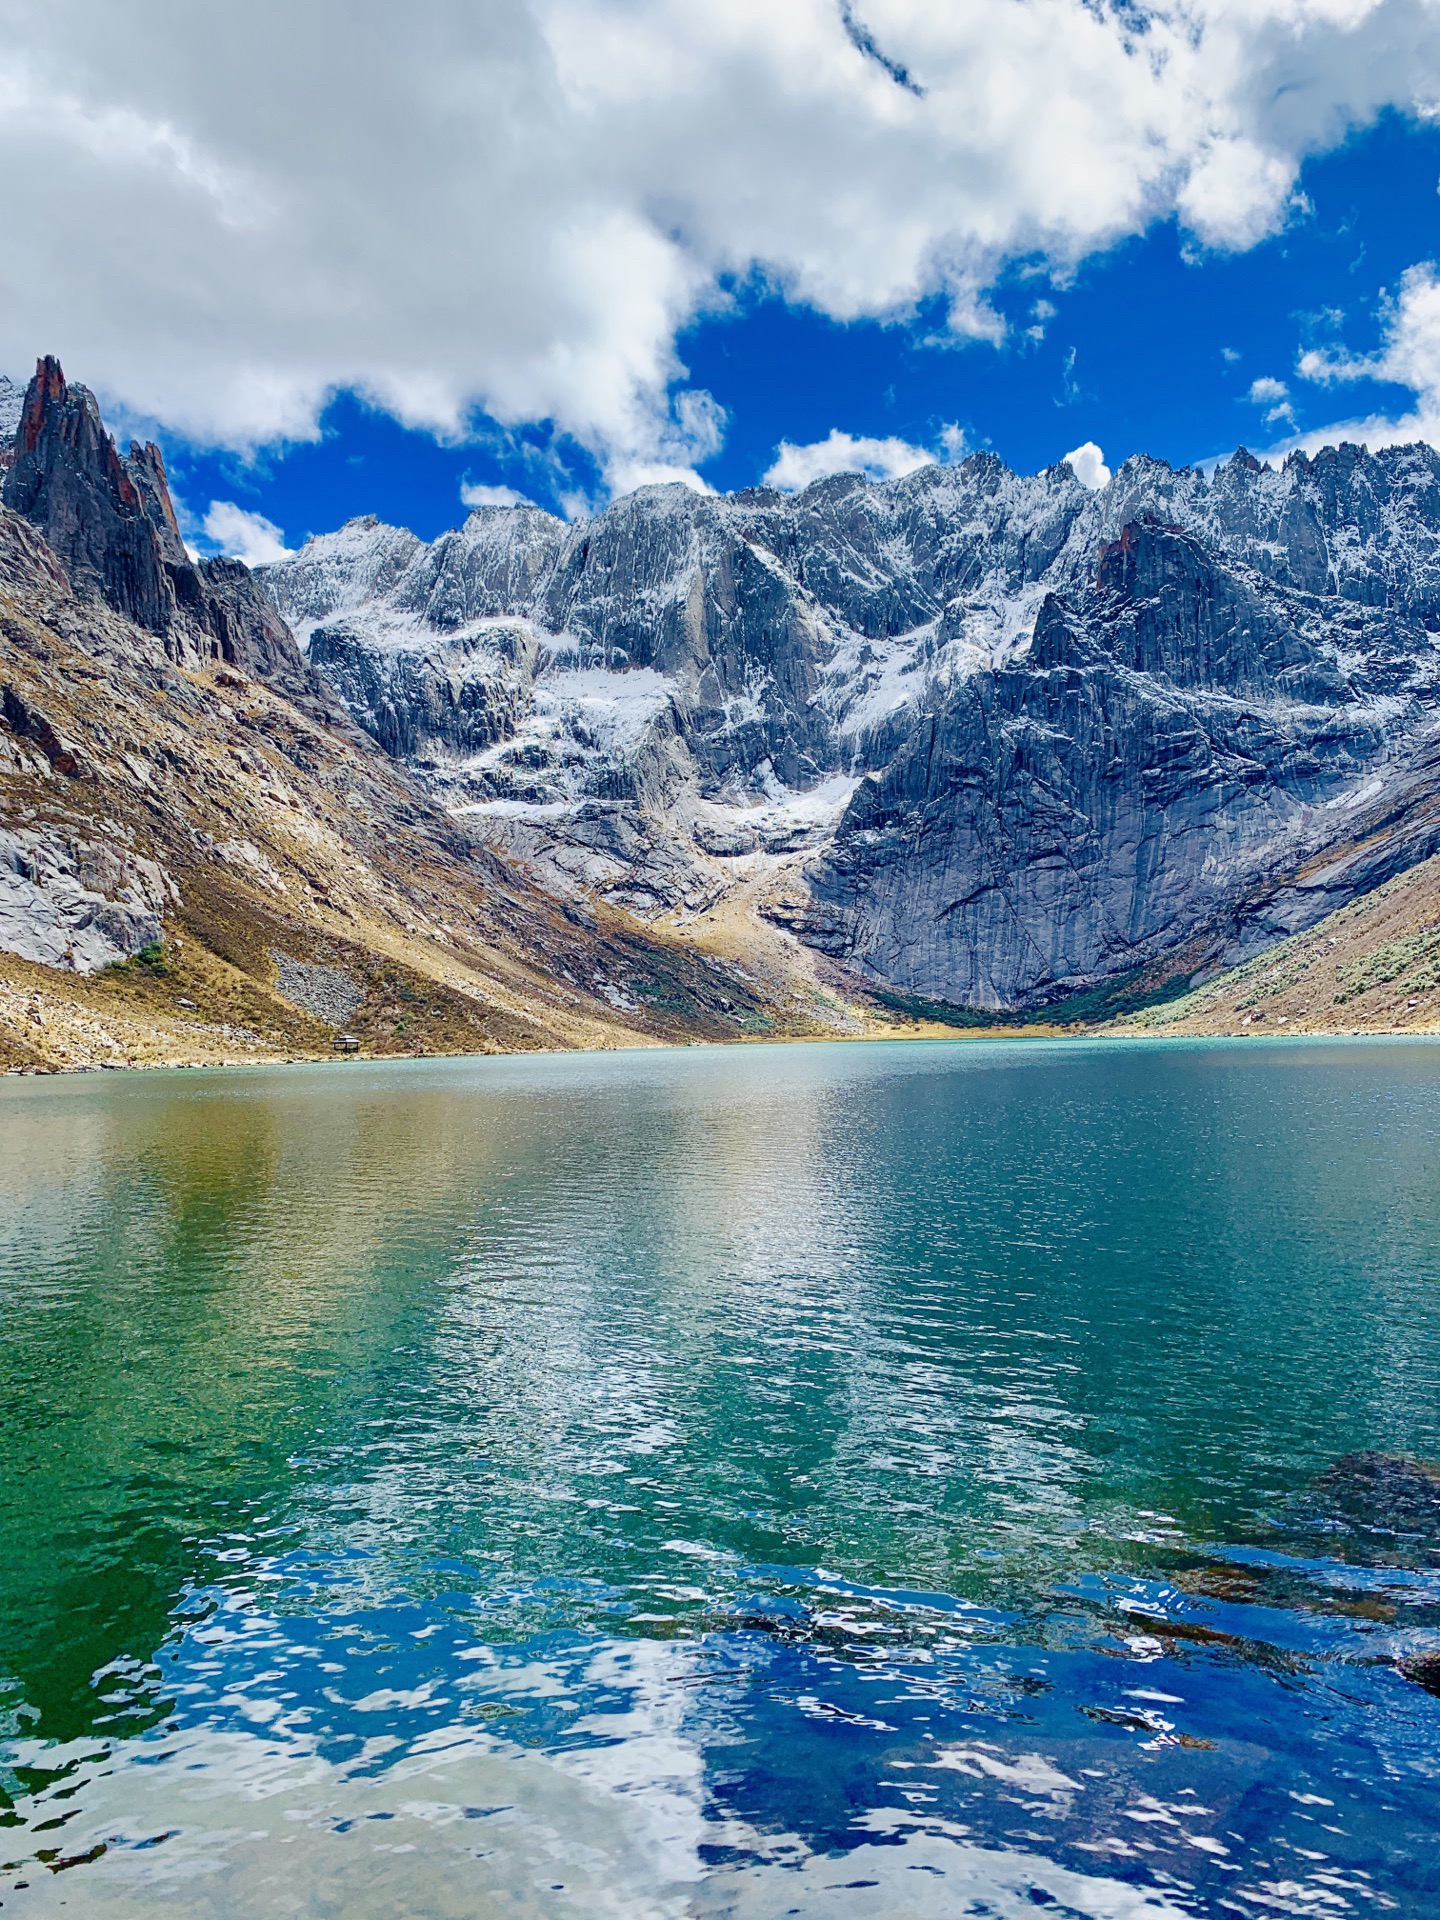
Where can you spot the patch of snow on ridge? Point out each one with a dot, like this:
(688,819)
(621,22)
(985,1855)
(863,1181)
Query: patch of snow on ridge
(389,630)
(12,405)
(614,709)
(872,679)
(785,823)
(536,811)
(340,572)
(1356,797)
(582,721)
(814,806)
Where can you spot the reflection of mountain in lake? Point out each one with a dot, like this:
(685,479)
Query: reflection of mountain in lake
(663,1480)
(892,1317)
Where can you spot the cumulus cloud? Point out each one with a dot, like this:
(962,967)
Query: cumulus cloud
(1087,463)
(1235,191)
(691,433)
(519,205)
(474,494)
(1274,396)
(953,443)
(243,535)
(625,475)
(796,466)
(1409,356)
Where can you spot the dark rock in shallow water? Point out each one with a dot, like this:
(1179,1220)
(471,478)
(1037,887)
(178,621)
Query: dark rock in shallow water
(1386,1493)
(1424,1670)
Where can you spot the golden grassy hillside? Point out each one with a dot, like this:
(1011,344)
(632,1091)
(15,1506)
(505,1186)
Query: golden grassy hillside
(1372,967)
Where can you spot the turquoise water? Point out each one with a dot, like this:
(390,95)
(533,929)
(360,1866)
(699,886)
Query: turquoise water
(844,1480)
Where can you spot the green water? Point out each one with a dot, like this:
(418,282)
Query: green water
(748,1372)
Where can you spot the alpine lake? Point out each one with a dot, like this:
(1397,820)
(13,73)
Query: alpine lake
(906,1480)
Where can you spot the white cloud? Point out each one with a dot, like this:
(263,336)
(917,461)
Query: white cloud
(1087,463)
(1041,314)
(1236,191)
(1274,396)
(796,466)
(563,185)
(244,536)
(474,494)
(626,475)
(1409,357)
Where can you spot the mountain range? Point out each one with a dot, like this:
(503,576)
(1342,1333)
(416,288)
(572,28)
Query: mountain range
(987,739)
(965,746)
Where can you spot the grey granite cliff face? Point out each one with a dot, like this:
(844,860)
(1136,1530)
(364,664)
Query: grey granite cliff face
(460,698)
(1068,817)
(987,738)
(78,905)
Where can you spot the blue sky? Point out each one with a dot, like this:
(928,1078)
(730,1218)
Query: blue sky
(340,259)
(1152,348)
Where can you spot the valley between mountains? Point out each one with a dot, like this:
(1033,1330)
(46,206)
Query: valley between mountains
(965,751)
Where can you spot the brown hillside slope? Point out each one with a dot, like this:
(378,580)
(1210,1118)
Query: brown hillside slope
(1372,967)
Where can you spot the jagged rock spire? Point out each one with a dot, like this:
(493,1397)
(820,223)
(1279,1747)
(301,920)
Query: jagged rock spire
(67,479)
(111,523)
(145,467)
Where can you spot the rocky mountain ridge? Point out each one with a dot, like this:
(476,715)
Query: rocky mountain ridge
(203,859)
(963,745)
(982,738)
